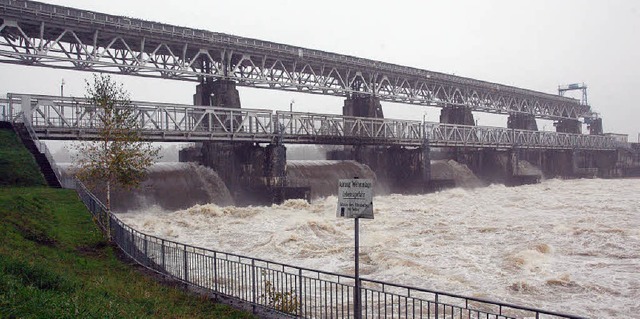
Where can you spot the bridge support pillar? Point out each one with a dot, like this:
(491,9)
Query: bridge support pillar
(507,166)
(568,126)
(362,106)
(522,121)
(220,93)
(592,163)
(595,127)
(401,169)
(558,163)
(456,114)
(523,167)
(275,171)
(252,173)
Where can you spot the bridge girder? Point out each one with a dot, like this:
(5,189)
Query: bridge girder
(68,118)
(38,34)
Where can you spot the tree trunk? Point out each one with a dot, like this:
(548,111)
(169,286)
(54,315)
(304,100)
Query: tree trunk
(108,210)
(108,195)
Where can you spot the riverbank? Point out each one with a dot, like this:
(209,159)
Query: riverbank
(55,262)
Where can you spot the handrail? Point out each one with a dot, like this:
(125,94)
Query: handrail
(42,148)
(72,118)
(287,289)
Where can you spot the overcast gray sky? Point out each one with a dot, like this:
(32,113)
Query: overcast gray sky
(532,44)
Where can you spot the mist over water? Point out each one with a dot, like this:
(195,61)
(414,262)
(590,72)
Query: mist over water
(564,245)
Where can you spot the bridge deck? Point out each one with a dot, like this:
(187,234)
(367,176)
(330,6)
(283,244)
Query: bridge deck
(75,118)
(38,34)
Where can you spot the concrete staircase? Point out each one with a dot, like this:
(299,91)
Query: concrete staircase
(45,167)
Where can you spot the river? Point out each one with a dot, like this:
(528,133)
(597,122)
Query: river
(571,246)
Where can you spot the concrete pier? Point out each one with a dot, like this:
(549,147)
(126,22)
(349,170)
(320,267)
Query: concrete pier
(363,106)
(400,169)
(506,166)
(568,126)
(456,114)
(253,174)
(220,93)
(522,121)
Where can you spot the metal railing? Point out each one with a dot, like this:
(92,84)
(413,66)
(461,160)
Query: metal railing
(172,52)
(64,181)
(291,290)
(5,111)
(75,118)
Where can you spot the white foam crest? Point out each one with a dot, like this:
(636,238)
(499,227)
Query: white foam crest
(563,245)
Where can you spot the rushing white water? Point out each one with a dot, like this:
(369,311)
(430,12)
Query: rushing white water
(565,245)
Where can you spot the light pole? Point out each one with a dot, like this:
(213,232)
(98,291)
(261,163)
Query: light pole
(424,129)
(62,88)
(291,115)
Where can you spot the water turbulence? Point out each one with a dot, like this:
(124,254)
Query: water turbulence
(563,245)
(172,186)
(322,175)
(455,173)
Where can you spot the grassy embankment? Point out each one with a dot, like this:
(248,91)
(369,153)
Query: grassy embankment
(55,263)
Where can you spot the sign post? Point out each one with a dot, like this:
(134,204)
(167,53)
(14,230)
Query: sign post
(355,200)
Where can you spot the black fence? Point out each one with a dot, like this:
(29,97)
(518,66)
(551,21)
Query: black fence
(290,290)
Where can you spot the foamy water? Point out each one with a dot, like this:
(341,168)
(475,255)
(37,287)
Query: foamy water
(568,246)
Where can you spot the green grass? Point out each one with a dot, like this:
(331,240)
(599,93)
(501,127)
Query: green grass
(17,166)
(55,263)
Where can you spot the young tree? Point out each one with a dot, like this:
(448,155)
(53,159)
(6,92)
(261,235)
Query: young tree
(118,157)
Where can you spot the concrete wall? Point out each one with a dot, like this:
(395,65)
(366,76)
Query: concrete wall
(400,169)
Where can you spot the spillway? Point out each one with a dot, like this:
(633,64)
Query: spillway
(169,186)
(322,175)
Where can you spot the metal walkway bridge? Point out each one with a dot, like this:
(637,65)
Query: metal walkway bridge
(38,34)
(59,118)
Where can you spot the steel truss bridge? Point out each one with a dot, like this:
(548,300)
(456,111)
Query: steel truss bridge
(60,118)
(38,34)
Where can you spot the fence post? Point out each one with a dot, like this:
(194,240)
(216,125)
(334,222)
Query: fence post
(215,271)
(186,275)
(164,268)
(300,292)
(132,244)
(254,286)
(146,254)
(437,306)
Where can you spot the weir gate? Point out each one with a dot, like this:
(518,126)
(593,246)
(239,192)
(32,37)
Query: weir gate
(247,146)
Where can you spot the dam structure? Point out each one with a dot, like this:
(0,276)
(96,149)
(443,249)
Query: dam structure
(247,147)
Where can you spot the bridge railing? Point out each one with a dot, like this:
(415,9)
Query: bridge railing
(292,290)
(4,110)
(65,181)
(11,110)
(69,118)
(440,134)
(326,126)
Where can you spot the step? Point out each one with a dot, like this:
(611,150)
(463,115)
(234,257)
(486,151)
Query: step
(45,167)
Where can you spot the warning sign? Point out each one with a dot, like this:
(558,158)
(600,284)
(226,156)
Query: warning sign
(355,198)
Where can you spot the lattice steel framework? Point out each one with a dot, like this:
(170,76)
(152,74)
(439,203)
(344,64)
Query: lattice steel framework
(33,33)
(54,117)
